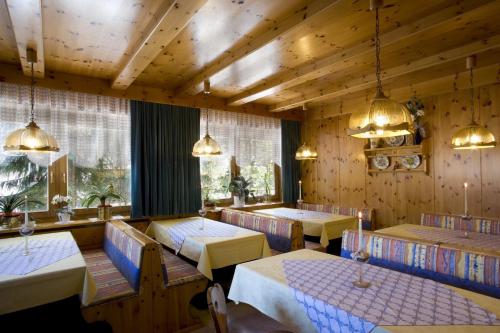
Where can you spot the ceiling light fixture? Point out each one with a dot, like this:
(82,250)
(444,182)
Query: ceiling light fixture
(305,152)
(31,139)
(386,117)
(473,136)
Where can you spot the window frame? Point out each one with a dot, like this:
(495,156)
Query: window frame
(57,184)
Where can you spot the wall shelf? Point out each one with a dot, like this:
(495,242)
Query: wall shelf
(396,155)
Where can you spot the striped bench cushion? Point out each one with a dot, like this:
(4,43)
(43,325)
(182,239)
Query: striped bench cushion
(314,246)
(477,224)
(178,270)
(367,213)
(461,268)
(110,283)
(125,252)
(282,234)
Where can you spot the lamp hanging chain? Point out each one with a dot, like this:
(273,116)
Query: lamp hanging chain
(206,125)
(471,82)
(377,51)
(32,94)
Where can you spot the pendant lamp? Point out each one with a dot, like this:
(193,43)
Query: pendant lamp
(305,152)
(386,117)
(473,136)
(206,146)
(31,139)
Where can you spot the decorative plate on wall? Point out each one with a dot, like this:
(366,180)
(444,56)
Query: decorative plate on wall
(410,161)
(380,162)
(395,141)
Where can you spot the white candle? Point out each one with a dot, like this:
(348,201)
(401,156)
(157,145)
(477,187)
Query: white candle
(26,210)
(465,199)
(360,231)
(300,189)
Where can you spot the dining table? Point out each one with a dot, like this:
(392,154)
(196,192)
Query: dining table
(311,291)
(212,244)
(470,240)
(53,269)
(326,226)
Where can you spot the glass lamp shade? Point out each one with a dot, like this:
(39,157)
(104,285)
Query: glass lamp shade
(473,136)
(385,118)
(306,153)
(206,147)
(31,139)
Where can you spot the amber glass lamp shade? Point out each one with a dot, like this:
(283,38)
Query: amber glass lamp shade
(306,153)
(474,136)
(206,147)
(385,118)
(31,139)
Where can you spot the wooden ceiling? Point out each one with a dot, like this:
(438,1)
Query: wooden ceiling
(268,55)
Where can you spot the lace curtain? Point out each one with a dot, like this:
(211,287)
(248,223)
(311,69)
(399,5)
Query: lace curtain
(87,127)
(248,138)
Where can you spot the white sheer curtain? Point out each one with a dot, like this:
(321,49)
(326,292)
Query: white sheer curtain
(248,138)
(86,126)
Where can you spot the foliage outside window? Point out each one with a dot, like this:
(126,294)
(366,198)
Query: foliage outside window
(215,177)
(262,178)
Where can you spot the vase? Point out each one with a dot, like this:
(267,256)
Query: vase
(11,220)
(239,201)
(418,136)
(64,217)
(104,212)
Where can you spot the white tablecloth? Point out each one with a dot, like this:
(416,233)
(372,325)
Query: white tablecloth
(319,224)
(263,285)
(213,252)
(61,279)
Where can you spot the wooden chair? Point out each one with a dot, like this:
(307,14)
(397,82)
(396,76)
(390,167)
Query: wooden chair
(226,321)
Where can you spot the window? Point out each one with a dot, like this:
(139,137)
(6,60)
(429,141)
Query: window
(251,147)
(93,133)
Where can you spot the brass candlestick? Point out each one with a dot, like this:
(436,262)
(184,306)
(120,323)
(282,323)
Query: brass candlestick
(361,257)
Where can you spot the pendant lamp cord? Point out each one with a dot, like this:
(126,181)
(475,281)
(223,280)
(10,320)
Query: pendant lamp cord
(472,93)
(32,92)
(377,51)
(206,125)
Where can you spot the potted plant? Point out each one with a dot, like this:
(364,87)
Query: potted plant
(101,194)
(64,211)
(239,189)
(8,205)
(416,108)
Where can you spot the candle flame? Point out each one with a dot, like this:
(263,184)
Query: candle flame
(466,185)
(360,215)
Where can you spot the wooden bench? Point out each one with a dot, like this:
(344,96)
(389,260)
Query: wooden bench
(123,297)
(460,267)
(477,224)
(282,234)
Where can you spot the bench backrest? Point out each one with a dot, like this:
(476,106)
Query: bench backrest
(462,268)
(478,224)
(125,251)
(282,234)
(367,213)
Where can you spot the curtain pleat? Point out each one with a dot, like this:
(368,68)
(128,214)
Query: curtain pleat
(290,167)
(165,176)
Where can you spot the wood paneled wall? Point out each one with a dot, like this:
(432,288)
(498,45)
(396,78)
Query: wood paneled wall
(339,176)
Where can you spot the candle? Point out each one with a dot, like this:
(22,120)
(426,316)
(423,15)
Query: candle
(300,189)
(26,210)
(360,231)
(465,199)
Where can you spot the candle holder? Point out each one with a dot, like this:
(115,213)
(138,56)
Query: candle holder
(361,257)
(300,201)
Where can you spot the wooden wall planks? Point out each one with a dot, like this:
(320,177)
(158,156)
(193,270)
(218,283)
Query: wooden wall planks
(402,197)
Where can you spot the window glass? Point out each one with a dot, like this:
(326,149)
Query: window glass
(215,177)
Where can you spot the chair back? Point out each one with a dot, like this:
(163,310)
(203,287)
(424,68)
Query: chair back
(217,308)
(368,214)
(483,225)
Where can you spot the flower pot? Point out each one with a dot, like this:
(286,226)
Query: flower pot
(104,212)
(239,201)
(64,217)
(10,220)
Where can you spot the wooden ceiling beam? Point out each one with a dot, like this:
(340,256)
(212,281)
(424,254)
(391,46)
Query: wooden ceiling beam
(26,19)
(69,82)
(293,22)
(168,22)
(483,76)
(312,70)
(370,81)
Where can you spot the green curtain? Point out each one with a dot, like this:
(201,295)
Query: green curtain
(290,167)
(165,176)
